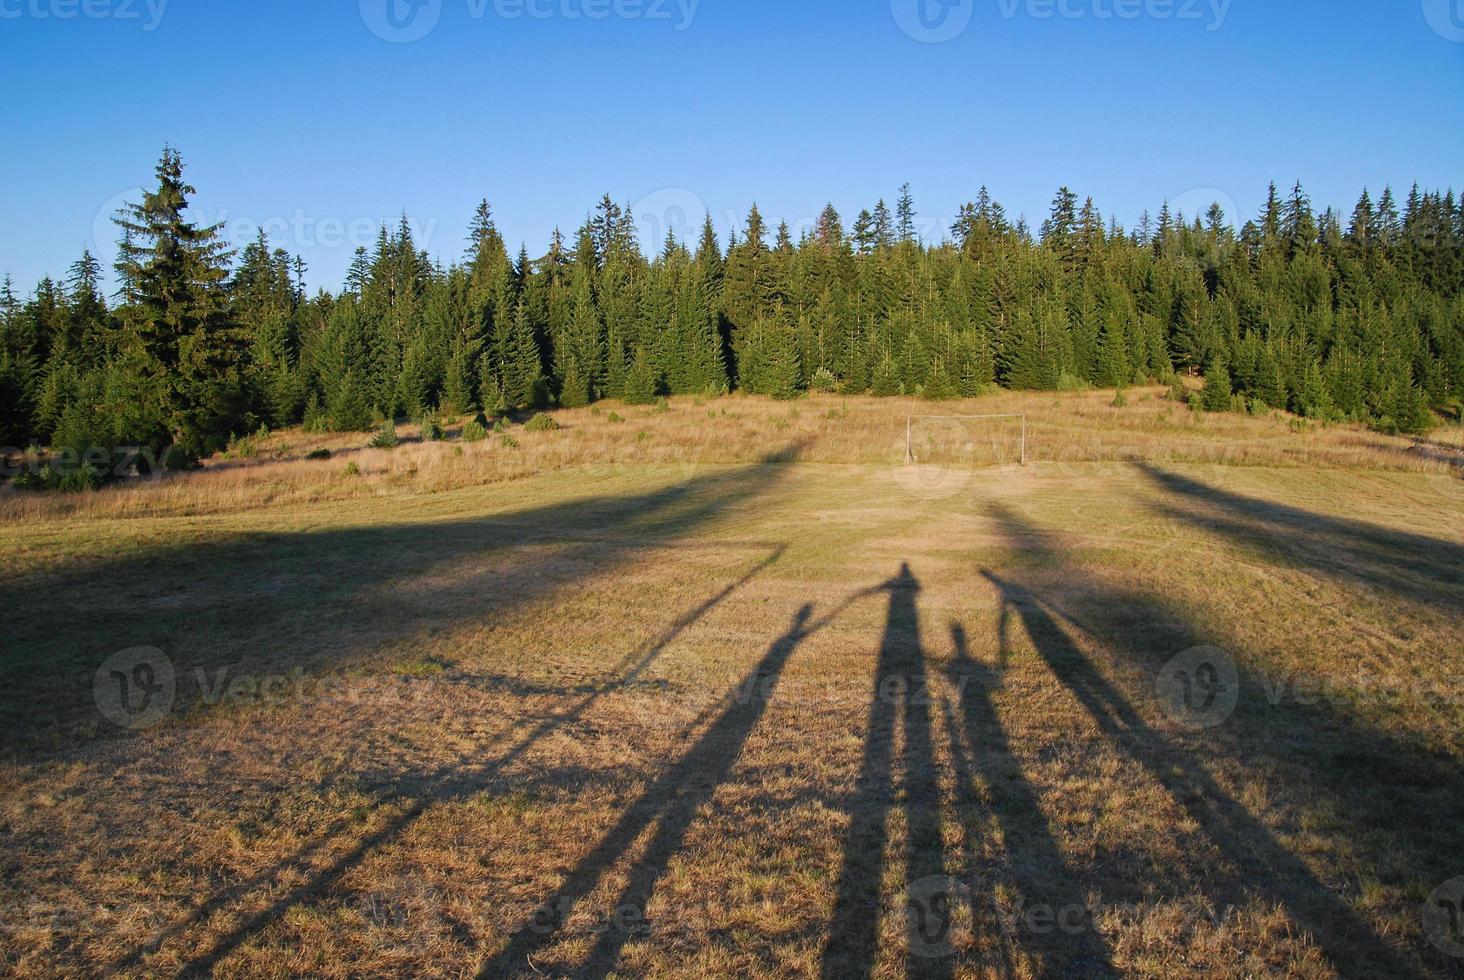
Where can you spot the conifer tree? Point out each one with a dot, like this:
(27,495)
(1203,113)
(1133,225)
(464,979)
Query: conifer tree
(189,350)
(1217,393)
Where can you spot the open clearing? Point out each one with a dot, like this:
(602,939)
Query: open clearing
(729,690)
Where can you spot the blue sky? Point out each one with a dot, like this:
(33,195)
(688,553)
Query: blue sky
(298,114)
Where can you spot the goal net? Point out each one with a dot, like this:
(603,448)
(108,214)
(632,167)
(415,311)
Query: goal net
(966,440)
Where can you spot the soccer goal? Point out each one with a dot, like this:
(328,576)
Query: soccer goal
(929,438)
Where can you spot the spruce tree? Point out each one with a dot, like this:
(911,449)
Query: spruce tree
(187,344)
(1217,393)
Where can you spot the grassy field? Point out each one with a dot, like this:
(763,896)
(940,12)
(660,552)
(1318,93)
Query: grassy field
(732,689)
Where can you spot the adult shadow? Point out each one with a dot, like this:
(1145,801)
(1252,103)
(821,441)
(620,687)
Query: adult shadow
(658,520)
(1051,920)
(1262,864)
(1416,567)
(671,804)
(899,734)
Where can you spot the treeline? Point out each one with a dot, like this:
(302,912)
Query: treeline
(1359,318)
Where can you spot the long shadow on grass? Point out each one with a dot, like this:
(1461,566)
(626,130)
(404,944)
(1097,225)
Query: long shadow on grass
(671,804)
(1411,566)
(1035,868)
(1263,866)
(651,521)
(899,705)
(353,591)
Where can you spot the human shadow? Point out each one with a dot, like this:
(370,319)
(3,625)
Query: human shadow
(1262,864)
(336,596)
(899,734)
(656,520)
(1412,566)
(670,803)
(1051,919)
(447,783)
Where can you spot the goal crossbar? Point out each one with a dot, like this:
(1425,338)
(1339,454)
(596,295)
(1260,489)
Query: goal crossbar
(910,429)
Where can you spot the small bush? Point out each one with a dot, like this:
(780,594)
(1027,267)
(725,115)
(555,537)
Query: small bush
(352,469)
(1071,382)
(823,380)
(241,448)
(474,431)
(1120,400)
(1178,392)
(542,423)
(431,428)
(316,419)
(320,454)
(614,418)
(386,438)
(662,405)
(508,441)
(68,480)
(500,425)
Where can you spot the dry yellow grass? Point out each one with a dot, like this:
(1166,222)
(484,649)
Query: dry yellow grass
(1065,429)
(732,690)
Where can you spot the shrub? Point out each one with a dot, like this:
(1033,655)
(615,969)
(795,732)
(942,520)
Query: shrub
(662,405)
(1071,382)
(474,431)
(315,418)
(352,469)
(241,448)
(508,441)
(1120,400)
(823,380)
(431,428)
(542,423)
(71,479)
(386,438)
(613,418)
(1178,392)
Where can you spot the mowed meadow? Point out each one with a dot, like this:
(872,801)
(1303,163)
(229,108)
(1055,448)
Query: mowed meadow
(733,687)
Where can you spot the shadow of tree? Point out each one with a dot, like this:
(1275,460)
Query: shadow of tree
(336,595)
(626,527)
(1416,567)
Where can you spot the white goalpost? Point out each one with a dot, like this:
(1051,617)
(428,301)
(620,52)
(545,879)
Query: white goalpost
(910,430)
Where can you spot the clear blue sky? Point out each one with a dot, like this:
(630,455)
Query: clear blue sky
(297,111)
